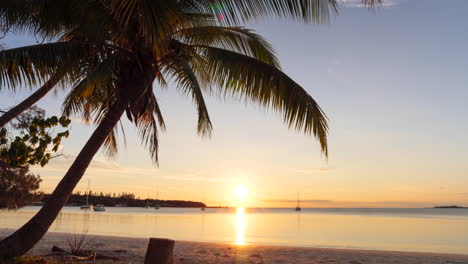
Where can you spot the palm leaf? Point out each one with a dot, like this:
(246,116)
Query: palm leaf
(46,18)
(236,39)
(181,72)
(148,127)
(32,65)
(242,76)
(91,94)
(234,12)
(150,19)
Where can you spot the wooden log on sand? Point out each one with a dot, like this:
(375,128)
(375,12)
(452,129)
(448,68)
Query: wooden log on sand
(160,251)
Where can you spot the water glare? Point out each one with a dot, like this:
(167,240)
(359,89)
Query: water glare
(240,226)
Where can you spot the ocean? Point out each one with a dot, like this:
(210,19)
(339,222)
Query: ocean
(418,230)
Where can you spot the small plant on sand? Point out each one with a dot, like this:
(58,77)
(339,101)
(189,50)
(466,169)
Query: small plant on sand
(77,244)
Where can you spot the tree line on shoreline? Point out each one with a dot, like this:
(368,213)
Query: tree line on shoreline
(124,199)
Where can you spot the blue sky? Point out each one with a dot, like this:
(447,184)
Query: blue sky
(393,82)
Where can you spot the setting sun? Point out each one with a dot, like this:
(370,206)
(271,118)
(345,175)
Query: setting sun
(241,192)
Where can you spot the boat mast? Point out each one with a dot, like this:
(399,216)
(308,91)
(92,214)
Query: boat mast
(203,206)
(87,192)
(298,201)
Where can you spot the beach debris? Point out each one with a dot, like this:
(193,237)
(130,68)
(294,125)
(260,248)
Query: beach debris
(160,251)
(57,249)
(101,256)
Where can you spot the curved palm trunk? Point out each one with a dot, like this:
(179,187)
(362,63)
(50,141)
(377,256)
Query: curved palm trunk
(28,102)
(29,234)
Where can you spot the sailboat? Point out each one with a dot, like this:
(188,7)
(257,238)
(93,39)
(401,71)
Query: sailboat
(298,207)
(87,206)
(99,208)
(204,206)
(157,205)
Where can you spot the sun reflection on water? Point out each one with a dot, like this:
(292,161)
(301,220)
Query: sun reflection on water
(240,226)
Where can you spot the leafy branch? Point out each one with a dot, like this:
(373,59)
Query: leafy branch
(35,145)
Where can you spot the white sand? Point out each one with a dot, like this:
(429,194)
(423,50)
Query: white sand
(197,252)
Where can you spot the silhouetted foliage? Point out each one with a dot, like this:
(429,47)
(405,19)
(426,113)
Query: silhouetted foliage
(127,199)
(34,142)
(23,120)
(28,140)
(18,188)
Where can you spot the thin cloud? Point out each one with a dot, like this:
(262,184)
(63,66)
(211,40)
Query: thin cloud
(349,204)
(64,162)
(315,170)
(295,201)
(196,178)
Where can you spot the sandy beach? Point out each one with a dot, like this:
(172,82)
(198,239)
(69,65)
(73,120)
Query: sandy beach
(132,250)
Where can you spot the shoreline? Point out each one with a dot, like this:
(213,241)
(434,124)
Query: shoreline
(132,250)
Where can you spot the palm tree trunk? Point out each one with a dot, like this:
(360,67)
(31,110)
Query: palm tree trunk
(28,102)
(29,234)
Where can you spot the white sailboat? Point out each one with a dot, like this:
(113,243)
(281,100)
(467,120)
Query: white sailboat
(203,206)
(157,205)
(99,208)
(87,206)
(298,207)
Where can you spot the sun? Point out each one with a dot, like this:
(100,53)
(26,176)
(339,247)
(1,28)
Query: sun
(241,192)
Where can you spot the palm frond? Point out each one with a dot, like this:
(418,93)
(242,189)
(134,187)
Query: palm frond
(111,143)
(91,97)
(235,12)
(46,18)
(371,3)
(152,20)
(179,70)
(236,39)
(32,65)
(242,76)
(148,127)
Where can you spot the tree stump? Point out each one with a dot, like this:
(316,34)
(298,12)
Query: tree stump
(160,251)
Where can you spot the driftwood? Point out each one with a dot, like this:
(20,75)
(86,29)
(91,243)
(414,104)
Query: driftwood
(100,256)
(160,251)
(57,249)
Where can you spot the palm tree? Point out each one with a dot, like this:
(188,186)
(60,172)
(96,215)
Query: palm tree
(28,102)
(62,17)
(148,40)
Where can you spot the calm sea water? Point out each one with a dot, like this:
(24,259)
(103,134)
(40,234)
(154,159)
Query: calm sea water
(426,230)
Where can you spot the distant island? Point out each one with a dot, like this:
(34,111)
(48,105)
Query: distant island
(123,200)
(449,206)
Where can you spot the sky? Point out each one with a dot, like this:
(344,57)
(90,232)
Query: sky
(392,81)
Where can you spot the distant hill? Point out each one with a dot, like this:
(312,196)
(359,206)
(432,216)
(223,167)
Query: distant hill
(449,206)
(125,199)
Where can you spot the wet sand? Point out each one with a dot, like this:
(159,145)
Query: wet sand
(132,250)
